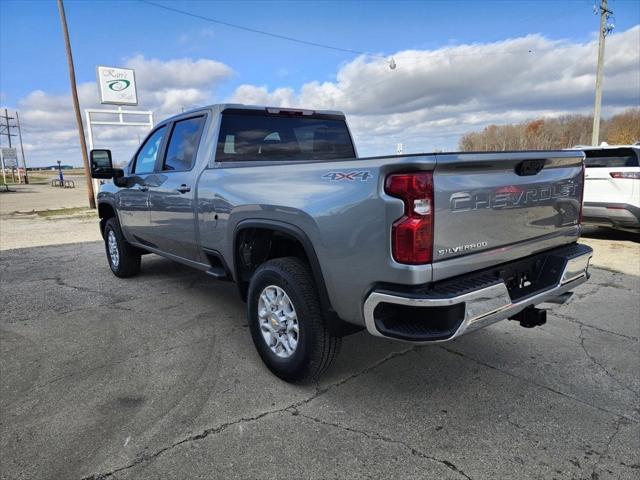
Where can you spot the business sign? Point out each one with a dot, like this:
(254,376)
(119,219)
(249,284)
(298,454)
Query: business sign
(9,157)
(117,86)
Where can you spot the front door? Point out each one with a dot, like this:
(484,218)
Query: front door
(172,191)
(133,202)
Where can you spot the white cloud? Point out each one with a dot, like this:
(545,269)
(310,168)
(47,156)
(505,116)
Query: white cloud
(166,88)
(427,102)
(433,96)
(182,73)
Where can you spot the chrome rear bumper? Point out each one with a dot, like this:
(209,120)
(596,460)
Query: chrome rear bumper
(483,306)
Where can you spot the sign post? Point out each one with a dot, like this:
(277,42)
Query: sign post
(146,121)
(117,86)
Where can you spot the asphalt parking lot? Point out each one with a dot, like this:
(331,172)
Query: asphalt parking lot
(157,377)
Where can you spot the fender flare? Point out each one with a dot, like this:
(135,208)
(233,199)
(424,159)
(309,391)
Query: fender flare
(111,204)
(336,325)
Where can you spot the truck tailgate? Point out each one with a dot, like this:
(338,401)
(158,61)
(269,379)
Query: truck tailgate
(489,201)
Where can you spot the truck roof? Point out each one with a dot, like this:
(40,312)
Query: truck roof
(220,107)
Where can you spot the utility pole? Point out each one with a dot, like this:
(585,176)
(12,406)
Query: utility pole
(9,135)
(605,29)
(7,131)
(76,106)
(7,126)
(4,174)
(24,162)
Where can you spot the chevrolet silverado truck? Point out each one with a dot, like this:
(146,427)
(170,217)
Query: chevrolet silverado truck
(322,243)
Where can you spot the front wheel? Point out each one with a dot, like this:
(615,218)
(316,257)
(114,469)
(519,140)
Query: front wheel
(286,321)
(124,259)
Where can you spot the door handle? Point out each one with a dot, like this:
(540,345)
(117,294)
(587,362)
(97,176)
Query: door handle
(143,188)
(183,188)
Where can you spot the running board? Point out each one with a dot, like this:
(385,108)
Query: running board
(219,269)
(218,273)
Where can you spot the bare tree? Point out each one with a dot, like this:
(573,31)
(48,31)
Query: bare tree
(553,133)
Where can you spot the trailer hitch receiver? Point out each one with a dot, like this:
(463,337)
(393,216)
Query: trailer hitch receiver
(531,317)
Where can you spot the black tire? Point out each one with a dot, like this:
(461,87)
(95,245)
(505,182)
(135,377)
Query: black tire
(128,260)
(316,347)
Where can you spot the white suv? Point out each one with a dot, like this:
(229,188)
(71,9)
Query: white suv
(612,186)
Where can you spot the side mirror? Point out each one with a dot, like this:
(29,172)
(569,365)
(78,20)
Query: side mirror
(101,165)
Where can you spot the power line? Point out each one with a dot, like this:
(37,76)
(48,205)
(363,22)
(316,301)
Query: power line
(262,32)
(390,60)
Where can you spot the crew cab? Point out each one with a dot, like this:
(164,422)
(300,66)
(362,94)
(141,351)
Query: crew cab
(322,243)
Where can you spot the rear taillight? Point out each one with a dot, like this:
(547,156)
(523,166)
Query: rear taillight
(412,234)
(628,175)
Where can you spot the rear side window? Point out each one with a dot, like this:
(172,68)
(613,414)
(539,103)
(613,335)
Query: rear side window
(260,136)
(146,158)
(611,158)
(183,144)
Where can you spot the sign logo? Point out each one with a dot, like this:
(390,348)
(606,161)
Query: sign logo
(117,86)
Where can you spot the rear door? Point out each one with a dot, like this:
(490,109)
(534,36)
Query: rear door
(172,190)
(491,202)
(607,176)
(133,202)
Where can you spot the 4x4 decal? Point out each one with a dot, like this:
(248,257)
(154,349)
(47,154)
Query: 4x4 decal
(362,175)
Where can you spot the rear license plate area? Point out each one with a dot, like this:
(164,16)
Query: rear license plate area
(532,275)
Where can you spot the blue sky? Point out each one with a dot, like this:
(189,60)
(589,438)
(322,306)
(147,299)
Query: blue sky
(106,32)
(453,73)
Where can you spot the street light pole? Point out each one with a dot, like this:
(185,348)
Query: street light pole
(76,106)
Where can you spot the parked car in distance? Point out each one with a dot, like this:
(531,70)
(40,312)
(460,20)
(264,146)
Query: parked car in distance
(612,186)
(322,243)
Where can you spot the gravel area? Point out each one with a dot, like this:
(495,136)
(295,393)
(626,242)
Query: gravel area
(20,227)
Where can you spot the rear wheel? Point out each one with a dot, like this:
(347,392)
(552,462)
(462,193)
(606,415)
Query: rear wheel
(286,321)
(124,259)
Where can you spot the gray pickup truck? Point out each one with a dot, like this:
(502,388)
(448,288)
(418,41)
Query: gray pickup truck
(321,243)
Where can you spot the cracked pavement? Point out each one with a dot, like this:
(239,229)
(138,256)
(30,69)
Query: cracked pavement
(157,377)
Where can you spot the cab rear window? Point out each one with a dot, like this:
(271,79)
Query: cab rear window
(611,158)
(254,136)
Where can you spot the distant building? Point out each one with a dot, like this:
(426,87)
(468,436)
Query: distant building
(51,167)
